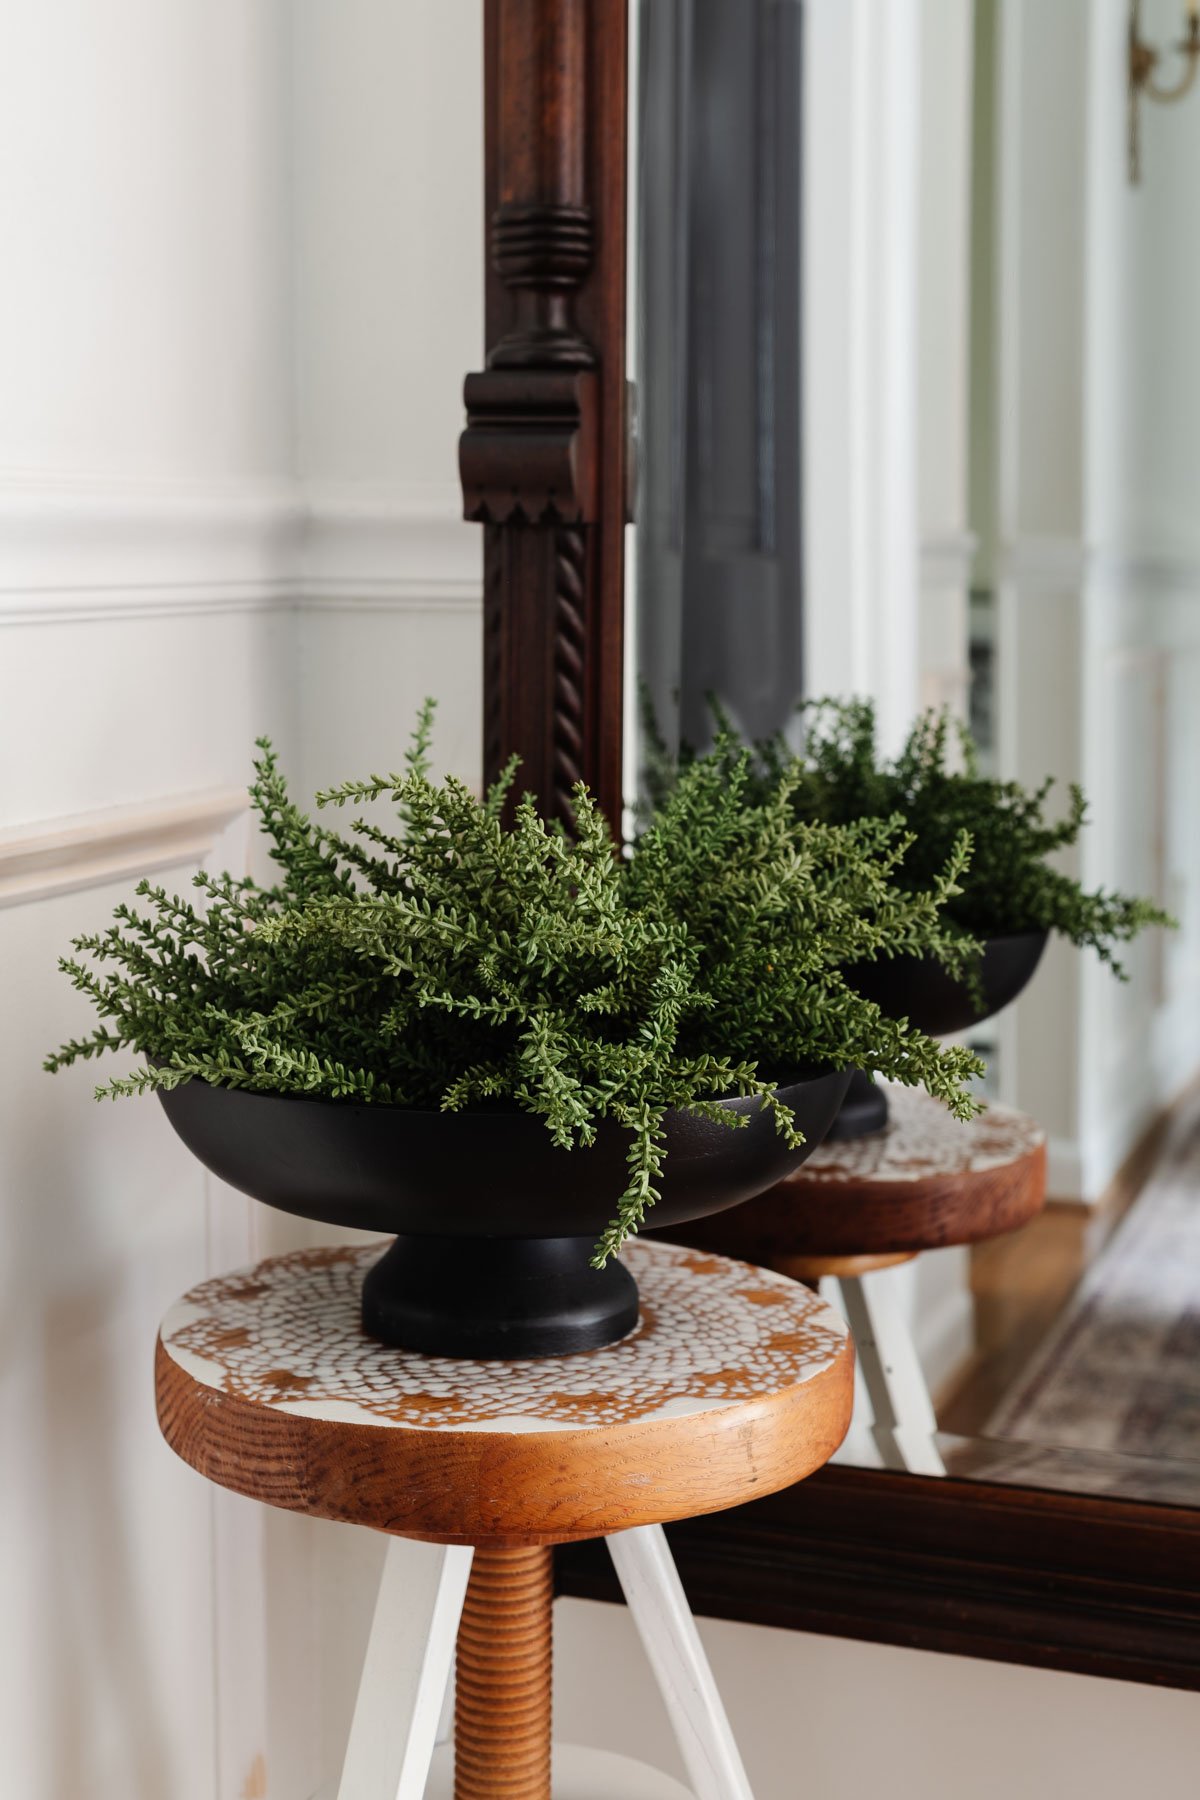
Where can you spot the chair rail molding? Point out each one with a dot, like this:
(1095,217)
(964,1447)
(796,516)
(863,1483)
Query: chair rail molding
(71,552)
(61,856)
(373,546)
(947,558)
(1151,570)
(1046,563)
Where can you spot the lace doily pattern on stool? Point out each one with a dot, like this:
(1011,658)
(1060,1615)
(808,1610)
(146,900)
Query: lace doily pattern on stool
(923,1140)
(713,1333)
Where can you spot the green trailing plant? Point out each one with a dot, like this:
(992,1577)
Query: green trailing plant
(937,784)
(937,788)
(456,961)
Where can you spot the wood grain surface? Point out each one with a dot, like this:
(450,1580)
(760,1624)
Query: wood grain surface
(924,1182)
(815,1268)
(545,455)
(503,1678)
(736,1383)
(1092,1582)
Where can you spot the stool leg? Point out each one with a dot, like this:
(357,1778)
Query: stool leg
(409,1655)
(502,1721)
(861,1447)
(654,1593)
(891,1371)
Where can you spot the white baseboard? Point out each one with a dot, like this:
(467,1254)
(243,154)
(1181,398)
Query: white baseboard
(1064,1171)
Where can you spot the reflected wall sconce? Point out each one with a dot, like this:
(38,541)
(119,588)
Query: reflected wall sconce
(1143,62)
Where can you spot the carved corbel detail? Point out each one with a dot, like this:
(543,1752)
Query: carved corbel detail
(528,455)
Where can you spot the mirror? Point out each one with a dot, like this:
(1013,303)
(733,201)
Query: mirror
(914,340)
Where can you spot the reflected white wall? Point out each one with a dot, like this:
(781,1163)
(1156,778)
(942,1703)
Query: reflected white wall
(1089,508)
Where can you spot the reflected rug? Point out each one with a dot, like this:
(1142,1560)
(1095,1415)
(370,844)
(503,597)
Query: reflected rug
(1121,1369)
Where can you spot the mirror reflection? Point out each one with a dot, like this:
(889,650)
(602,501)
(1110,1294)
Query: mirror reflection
(920,429)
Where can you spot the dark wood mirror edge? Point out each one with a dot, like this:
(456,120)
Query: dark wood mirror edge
(544,455)
(1094,1585)
(1091,1585)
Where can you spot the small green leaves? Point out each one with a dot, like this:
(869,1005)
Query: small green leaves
(452,961)
(774,909)
(936,785)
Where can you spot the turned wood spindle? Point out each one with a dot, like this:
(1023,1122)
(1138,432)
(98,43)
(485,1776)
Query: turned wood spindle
(502,1702)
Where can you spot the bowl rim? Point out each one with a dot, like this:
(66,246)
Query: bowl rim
(809,1077)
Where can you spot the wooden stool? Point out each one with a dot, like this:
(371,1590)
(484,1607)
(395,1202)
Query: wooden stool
(861,1206)
(736,1383)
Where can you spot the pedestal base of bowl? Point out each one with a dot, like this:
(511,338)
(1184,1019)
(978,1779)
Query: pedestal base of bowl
(863,1111)
(497,1297)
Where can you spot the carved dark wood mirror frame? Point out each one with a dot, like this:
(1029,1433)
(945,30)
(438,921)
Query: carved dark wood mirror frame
(1061,1580)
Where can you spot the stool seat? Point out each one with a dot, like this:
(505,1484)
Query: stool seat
(925,1181)
(735,1383)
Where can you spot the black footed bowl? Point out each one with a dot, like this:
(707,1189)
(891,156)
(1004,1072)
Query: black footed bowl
(495,1225)
(919,989)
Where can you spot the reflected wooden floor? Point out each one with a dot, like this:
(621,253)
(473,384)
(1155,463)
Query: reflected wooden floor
(1021,1283)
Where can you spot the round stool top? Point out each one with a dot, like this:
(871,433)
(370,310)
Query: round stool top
(735,1383)
(925,1181)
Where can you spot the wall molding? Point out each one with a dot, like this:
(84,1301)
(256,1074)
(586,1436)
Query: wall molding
(61,856)
(71,552)
(1147,570)
(68,538)
(372,546)
(1046,562)
(947,558)
(102,604)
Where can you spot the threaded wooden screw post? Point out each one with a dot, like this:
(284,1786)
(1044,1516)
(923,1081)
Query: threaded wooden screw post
(502,1717)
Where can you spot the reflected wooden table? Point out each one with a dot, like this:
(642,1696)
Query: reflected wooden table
(860,1207)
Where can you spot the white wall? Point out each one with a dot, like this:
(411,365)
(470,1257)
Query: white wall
(242,285)
(1142,640)
(215,276)
(143,357)
(840,1721)
(388,294)
(142,199)
(1096,446)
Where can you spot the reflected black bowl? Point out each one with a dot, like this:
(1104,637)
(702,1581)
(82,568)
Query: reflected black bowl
(919,989)
(495,1224)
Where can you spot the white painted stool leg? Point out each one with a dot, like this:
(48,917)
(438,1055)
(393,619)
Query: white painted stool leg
(860,1448)
(891,1371)
(445,1730)
(659,1608)
(409,1657)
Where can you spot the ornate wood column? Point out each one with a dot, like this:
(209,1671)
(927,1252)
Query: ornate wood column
(543,456)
